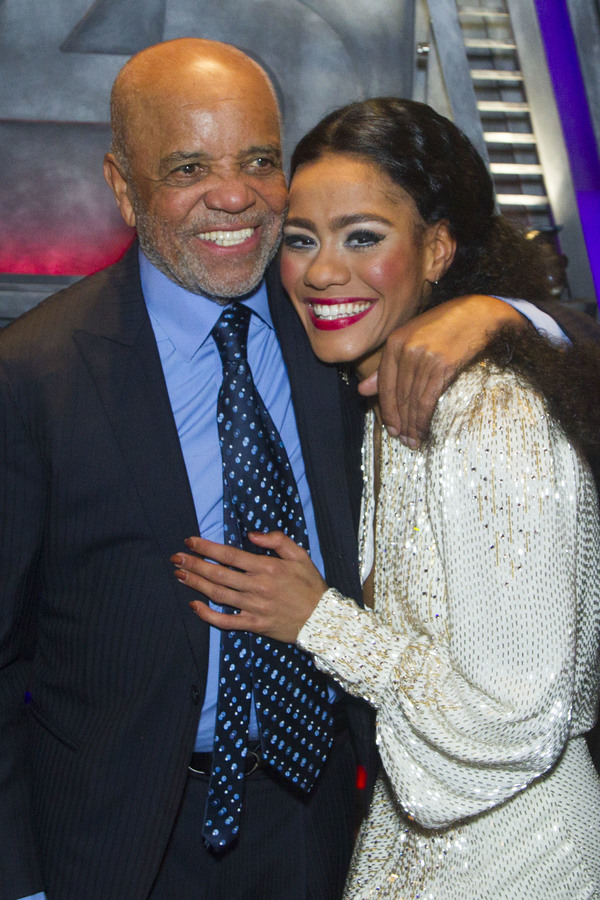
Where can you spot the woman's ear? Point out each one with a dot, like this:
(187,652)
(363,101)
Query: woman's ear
(440,248)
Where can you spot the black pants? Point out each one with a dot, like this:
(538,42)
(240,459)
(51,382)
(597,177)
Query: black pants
(289,848)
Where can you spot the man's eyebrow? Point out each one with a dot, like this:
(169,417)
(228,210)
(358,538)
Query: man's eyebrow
(262,150)
(180,157)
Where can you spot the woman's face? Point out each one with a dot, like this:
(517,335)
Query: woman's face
(356,258)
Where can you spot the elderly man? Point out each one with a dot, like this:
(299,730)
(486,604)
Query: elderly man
(116,777)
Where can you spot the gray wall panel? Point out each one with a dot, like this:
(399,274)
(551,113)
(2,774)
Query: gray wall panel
(58,59)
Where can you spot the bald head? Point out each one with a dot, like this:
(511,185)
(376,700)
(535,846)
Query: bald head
(196,164)
(159,74)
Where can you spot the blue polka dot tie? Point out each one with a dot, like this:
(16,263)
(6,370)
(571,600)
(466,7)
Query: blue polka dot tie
(290,695)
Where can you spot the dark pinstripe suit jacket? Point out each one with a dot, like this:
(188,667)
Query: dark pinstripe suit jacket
(94,498)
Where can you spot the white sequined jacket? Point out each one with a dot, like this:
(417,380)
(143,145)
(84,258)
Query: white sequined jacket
(481,655)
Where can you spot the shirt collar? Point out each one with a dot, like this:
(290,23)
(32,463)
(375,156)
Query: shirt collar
(186,318)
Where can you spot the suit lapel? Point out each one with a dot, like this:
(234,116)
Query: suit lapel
(123,360)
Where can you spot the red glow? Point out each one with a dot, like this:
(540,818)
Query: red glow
(361,778)
(81,258)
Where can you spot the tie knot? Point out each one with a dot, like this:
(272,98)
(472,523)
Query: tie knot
(231,333)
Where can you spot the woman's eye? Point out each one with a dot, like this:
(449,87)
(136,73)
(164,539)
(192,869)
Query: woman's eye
(298,241)
(364,238)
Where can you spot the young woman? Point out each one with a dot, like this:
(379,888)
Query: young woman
(480,551)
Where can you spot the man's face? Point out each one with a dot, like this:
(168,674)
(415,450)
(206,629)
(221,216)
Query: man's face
(206,185)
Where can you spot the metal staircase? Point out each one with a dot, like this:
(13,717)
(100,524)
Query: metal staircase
(483,64)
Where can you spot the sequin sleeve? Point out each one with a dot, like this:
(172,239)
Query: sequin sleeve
(475,679)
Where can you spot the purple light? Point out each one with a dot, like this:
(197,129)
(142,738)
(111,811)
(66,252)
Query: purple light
(569,90)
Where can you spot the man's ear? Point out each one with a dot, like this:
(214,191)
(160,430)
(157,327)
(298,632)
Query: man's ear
(118,185)
(440,248)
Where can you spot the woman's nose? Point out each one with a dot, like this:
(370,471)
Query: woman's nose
(325,270)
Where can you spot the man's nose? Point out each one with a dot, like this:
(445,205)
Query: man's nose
(230,194)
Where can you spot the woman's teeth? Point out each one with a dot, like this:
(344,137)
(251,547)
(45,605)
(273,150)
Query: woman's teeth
(339,310)
(227,238)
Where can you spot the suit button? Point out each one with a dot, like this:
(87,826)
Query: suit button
(195,695)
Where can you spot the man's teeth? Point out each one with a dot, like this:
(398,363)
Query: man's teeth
(338,310)
(227,238)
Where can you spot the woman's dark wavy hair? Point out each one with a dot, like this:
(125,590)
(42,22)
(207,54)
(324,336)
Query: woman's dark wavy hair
(435,163)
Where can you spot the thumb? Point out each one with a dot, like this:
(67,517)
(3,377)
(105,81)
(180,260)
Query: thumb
(368,387)
(283,546)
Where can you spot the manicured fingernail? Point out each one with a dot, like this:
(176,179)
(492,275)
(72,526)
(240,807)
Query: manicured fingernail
(177,560)
(393,432)
(413,443)
(189,542)
(180,575)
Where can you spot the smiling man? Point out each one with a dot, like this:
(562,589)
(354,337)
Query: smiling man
(111,459)
(112,782)
(201,179)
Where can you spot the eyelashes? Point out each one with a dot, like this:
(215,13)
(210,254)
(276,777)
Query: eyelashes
(356,240)
(296,241)
(364,238)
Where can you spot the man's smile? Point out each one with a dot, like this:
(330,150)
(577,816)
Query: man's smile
(227,238)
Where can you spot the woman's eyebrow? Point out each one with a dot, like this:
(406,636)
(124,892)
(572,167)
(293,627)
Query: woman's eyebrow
(357,219)
(339,222)
(298,222)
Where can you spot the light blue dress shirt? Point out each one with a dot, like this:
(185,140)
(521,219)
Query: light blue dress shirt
(544,323)
(182,323)
(181,330)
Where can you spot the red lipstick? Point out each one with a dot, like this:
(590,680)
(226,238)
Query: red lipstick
(340,319)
